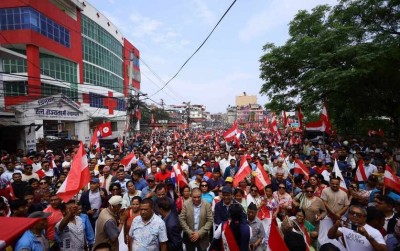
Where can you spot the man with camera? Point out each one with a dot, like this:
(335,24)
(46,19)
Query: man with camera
(356,234)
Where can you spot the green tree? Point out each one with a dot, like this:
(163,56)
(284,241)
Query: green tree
(347,55)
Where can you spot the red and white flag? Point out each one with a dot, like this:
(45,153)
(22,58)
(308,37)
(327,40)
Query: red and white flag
(273,127)
(231,132)
(326,123)
(120,144)
(243,171)
(127,160)
(105,129)
(78,176)
(338,174)
(360,173)
(300,168)
(228,239)
(179,176)
(94,142)
(285,121)
(261,178)
(390,179)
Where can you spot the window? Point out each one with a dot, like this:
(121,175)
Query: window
(96,100)
(19,88)
(29,18)
(72,92)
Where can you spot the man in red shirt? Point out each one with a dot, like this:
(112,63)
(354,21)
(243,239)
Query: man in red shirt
(55,216)
(163,174)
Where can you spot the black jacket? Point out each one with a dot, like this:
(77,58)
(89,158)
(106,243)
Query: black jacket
(85,203)
(174,231)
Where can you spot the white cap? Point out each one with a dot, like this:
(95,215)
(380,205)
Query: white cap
(49,151)
(115,200)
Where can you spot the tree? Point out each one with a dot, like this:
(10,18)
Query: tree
(347,55)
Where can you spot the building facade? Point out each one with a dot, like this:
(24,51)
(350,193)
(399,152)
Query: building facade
(63,53)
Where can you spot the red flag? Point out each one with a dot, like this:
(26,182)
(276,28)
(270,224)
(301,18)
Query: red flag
(39,172)
(231,133)
(243,171)
(228,238)
(390,179)
(105,129)
(360,173)
(326,123)
(300,168)
(128,159)
(261,179)
(380,132)
(300,116)
(78,176)
(275,240)
(11,190)
(94,142)
(179,176)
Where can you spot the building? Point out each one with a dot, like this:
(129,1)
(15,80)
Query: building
(246,111)
(191,115)
(64,69)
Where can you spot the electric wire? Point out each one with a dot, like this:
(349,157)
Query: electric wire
(194,53)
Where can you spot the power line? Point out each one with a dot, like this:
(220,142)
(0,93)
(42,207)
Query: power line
(205,40)
(161,80)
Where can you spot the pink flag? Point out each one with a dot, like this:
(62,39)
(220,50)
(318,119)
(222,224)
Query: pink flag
(261,179)
(127,161)
(390,179)
(300,168)
(360,173)
(243,171)
(78,176)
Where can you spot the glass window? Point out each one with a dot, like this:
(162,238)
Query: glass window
(18,88)
(29,18)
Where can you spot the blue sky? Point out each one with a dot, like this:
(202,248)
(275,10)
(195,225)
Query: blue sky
(167,32)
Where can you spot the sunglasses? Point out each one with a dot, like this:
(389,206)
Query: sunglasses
(356,214)
(204,185)
(309,191)
(115,189)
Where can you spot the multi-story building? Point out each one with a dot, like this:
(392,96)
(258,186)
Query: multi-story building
(246,110)
(64,69)
(192,115)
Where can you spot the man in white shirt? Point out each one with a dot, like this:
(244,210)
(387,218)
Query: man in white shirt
(224,162)
(357,234)
(369,168)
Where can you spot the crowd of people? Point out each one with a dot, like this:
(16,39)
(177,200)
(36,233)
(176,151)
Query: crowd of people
(144,203)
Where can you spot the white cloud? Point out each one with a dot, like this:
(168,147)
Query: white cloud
(204,12)
(276,14)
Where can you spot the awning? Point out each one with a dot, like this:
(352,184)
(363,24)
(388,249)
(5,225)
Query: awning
(6,123)
(11,228)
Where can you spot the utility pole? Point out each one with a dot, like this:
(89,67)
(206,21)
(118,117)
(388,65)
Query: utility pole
(162,103)
(129,107)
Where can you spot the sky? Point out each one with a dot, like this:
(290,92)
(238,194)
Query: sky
(167,32)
